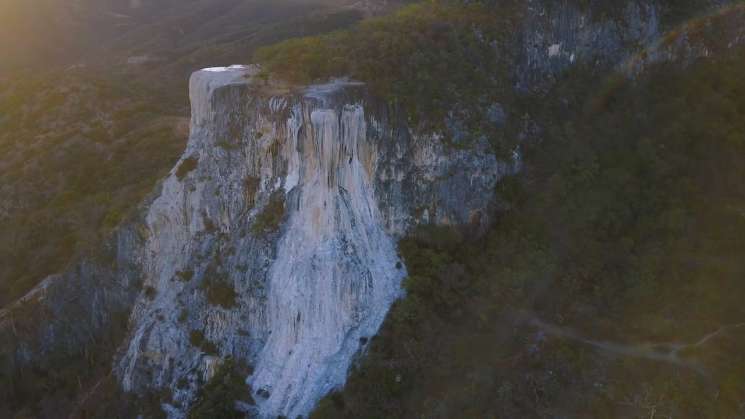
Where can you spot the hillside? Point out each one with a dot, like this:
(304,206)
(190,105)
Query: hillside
(610,288)
(448,209)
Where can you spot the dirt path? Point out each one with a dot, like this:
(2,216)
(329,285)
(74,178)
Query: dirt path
(670,352)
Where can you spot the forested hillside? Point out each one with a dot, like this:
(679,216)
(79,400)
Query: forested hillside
(612,285)
(79,153)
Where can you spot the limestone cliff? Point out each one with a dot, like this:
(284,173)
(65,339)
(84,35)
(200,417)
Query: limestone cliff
(292,202)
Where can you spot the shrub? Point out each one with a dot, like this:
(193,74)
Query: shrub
(185,276)
(183,315)
(198,340)
(220,292)
(186,167)
(112,219)
(216,400)
(209,225)
(250,187)
(270,218)
(431,58)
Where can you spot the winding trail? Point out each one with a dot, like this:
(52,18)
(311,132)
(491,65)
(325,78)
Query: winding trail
(669,352)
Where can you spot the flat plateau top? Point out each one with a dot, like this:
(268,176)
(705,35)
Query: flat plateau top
(205,81)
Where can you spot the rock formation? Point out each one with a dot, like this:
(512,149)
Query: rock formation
(290,203)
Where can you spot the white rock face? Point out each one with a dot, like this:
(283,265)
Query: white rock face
(554,50)
(309,293)
(335,274)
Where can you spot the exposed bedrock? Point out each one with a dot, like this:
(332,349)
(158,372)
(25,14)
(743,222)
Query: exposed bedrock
(290,204)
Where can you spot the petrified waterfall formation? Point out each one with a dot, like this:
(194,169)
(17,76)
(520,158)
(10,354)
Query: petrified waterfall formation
(342,179)
(335,273)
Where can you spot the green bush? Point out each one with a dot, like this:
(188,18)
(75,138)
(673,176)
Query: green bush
(198,340)
(220,292)
(89,188)
(183,315)
(186,167)
(271,216)
(250,187)
(216,400)
(185,276)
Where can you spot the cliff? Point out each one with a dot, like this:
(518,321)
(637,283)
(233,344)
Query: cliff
(273,240)
(292,202)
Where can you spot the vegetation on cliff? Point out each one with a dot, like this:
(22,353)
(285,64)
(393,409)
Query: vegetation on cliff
(446,63)
(270,217)
(217,399)
(437,59)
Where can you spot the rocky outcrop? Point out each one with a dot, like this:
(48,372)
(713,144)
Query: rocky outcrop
(556,36)
(82,310)
(710,35)
(275,236)
(626,37)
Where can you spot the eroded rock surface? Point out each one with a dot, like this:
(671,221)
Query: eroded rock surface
(291,205)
